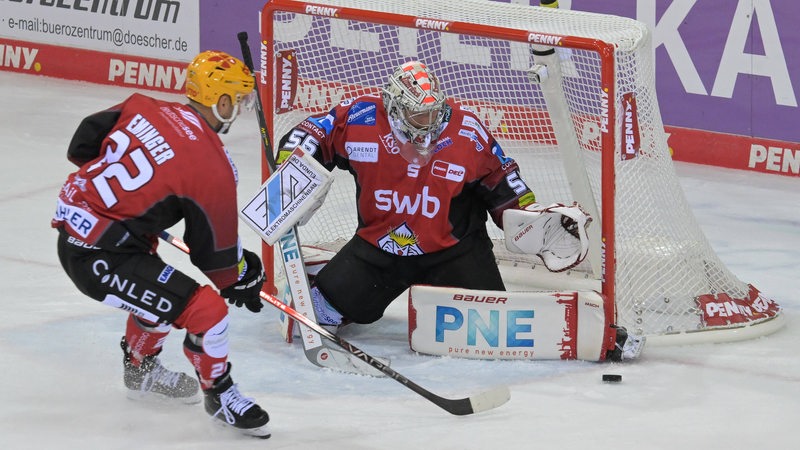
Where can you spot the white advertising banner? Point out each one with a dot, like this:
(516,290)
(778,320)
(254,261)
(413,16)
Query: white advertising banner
(163,29)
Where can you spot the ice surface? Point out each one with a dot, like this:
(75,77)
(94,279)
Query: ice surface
(62,377)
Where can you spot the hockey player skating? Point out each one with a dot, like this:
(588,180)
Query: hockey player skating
(428,174)
(145,165)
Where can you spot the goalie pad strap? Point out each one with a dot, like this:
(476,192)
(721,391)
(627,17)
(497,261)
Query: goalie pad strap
(508,325)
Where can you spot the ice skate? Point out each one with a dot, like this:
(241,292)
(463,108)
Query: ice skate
(627,346)
(152,381)
(225,403)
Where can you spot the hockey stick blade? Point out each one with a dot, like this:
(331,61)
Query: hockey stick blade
(460,407)
(334,359)
(474,404)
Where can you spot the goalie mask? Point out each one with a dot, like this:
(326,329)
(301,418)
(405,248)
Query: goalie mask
(213,74)
(415,105)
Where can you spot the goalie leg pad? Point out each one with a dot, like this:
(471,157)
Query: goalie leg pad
(508,325)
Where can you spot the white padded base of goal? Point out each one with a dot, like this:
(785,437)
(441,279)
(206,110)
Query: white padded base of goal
(539,278)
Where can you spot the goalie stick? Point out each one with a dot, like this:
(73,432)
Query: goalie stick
(315,349)
(460,407)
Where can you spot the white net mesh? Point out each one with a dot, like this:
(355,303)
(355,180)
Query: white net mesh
(662,259)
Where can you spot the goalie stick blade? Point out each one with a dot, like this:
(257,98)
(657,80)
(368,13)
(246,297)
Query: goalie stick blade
(340,361)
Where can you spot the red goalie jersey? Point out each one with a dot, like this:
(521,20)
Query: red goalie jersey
(406,208)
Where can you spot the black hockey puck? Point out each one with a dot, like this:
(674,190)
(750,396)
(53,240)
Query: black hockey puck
(612,378)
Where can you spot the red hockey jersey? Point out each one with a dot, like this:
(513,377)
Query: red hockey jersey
(146,164)
(411,209)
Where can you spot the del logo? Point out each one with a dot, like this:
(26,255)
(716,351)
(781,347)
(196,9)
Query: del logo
(448,171)
(508,328)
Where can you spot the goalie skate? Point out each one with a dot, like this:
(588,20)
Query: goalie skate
(628,346)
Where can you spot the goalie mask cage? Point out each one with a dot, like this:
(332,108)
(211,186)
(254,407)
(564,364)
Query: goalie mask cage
(569,95)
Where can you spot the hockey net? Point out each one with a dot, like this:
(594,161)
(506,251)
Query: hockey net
(571,96)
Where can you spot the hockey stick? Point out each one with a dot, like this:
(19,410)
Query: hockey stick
(460,407)
(314,347)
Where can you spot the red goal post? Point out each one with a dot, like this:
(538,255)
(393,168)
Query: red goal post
(571,96)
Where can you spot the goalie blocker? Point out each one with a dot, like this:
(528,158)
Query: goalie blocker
(290,196)
(512,325)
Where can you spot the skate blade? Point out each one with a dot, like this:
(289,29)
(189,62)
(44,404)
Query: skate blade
(153,397)
(261,432)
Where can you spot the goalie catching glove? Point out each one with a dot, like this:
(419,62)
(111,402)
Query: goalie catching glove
(247,291)
(555,233)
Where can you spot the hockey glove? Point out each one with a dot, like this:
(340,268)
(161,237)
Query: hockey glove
(246,291)
(556,234)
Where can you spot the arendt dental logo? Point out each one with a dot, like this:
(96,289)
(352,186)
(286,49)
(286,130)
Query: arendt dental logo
(322,11)
(286,90)
(538,38)
(362,151)
(448,171)
(431,24)
(630,127)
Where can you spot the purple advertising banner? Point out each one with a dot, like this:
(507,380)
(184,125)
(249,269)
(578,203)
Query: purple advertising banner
(729,66)
(222,20)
